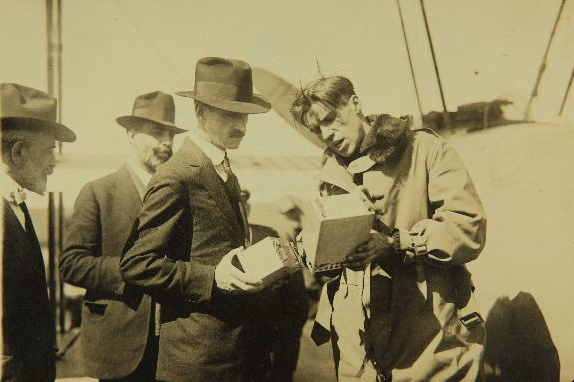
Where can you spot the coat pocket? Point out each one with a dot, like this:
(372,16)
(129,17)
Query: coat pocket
(470,324)
(96,308)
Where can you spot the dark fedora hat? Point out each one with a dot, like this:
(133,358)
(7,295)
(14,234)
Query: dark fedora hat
(226,84)
(22,106)
(154,107)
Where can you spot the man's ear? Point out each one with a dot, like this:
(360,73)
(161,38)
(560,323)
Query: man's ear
(130,133)
(199,110)
(356,102)
(18,153)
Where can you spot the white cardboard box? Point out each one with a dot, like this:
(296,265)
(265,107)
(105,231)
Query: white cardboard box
(333,227)
(270,259)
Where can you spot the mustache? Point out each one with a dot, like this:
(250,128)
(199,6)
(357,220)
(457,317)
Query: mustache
(163,150)
(236,134)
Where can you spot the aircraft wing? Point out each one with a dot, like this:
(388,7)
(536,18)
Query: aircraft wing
(281,95)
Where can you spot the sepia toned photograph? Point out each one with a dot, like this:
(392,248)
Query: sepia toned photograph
(289,191)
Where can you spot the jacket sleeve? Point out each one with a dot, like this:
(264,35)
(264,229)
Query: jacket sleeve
(455,233)
(146,262)
(82,262)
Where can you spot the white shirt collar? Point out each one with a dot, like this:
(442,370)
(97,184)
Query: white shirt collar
(142,174)
(214,153)
(8,185)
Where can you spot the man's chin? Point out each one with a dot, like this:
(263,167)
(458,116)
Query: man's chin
(234,144)
(156,162)
(39,189)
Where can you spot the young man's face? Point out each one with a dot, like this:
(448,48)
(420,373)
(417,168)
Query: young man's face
(342,130)
(153,144)
(224,128)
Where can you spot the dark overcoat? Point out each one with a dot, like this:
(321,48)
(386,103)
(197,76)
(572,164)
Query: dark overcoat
(115,319)
(28,338)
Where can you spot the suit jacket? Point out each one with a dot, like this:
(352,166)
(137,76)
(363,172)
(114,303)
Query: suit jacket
(28,352)
(187,224)
(115,319)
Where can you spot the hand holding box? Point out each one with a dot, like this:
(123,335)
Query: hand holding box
(333,227)
(270,259)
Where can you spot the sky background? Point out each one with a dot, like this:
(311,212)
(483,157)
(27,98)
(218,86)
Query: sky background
(114,50)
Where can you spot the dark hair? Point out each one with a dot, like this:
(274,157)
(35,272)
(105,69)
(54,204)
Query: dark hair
(331,92)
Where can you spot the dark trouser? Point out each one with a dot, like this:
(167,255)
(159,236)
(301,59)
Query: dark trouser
(145,371)
(284,355)
(29,367)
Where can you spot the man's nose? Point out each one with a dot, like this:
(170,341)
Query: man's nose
(326,133)
(52,160)
(166,139)
(51,163)
(241,126)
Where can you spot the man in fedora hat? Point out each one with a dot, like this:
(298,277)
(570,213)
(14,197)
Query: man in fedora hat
(29,132)
(119,340)
(191,226)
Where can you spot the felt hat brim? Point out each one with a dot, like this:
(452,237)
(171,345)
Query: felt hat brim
(130,121)
(255,105)
(61,132)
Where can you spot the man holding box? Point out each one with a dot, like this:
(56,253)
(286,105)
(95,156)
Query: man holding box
(402,307)
(191,226)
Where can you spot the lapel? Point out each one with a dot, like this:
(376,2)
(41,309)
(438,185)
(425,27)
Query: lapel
(243,212)
(210,180)
(17,234)
(127,196)
(11,220)
(335,174)
(127,172)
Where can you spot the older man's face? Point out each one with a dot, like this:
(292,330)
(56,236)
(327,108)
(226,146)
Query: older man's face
(38,161)
(153,144)
(224,128)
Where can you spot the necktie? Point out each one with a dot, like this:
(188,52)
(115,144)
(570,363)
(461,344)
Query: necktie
(31,233)
(224,169)
(226,166)
(232,180)
(28,226)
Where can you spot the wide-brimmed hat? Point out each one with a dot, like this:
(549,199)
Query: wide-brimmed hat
(154,107)
(226,84)
(22,106)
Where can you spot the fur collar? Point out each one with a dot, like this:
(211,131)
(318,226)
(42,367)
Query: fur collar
(387,138)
